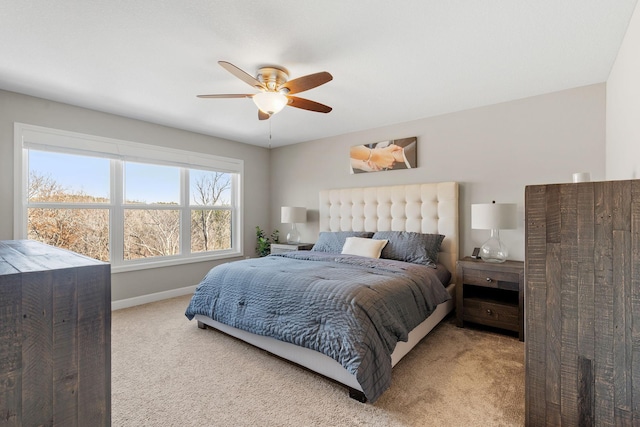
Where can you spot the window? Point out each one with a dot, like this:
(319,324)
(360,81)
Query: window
(151,220)
(210,210)
(133,205)
(67,202)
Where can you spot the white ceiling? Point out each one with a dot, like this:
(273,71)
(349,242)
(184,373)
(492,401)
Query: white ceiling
(392,61)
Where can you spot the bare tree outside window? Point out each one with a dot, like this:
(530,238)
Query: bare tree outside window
(151,232)
(82,230)
(211,222)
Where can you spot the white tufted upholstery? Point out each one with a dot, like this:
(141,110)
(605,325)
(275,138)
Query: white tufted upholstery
(422,208)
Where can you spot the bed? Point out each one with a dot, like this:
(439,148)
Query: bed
(424,209)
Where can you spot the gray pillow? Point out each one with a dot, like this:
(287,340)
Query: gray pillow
(408,246)
(333,241)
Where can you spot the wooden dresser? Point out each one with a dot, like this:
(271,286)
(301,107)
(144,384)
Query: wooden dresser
(582,286)
(55,337)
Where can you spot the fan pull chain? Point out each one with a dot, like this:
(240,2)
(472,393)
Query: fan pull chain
(269,134)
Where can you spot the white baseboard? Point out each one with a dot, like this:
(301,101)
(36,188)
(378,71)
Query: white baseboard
(145,299)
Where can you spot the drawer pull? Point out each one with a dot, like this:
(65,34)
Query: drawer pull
(489,279)
(489,312)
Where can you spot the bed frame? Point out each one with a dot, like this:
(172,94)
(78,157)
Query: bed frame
(423,208)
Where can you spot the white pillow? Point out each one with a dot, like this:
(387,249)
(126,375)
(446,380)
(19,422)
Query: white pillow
(363,247)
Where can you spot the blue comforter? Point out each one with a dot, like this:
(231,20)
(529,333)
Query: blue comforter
(351,308)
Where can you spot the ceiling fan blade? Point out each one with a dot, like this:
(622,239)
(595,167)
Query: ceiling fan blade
(262,115)
(247,95)
(307,82)
(305,104)
(247,78)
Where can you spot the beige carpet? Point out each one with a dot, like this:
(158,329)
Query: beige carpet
(167,372)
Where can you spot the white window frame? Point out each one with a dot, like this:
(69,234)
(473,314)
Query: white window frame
(37,137)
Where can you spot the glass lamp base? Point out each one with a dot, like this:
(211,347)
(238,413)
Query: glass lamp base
(493,250)
(293,236)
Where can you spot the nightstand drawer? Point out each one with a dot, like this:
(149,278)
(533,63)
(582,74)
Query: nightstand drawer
(492,279)
(491,313)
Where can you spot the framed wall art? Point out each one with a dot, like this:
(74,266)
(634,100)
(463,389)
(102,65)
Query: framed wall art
(384,155)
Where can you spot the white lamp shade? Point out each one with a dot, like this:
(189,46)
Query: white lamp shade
(494,216)
(270,102)
(291,214)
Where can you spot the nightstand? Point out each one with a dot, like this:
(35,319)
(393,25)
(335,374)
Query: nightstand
(491,294)
(278,248)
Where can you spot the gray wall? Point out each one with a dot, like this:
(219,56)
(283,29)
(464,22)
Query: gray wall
(623,107)
(20,108)
(493,151)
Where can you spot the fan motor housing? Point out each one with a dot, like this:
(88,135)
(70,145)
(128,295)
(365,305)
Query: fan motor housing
(273,77)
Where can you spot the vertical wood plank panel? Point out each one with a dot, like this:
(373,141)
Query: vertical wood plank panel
(635,299)
(623,418)
(535,296)
(569,304)
(37,354)
(65,349)
(104,276)
(552,211)
(586,309)
(553,414)
(553,325)
(603,294)
(586,393)
(94,353)
(553,319)
(622,320)
(10,350)
(621,205)
(622,256)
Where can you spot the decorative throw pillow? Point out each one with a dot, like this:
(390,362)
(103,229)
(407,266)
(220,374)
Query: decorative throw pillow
(333,241)
(363,247)
(407,246)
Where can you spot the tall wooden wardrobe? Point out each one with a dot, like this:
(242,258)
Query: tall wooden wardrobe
(582,296)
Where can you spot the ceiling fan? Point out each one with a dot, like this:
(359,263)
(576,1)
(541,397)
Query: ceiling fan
(276,90)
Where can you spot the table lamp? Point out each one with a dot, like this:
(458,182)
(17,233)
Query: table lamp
(493,216)
(292,215)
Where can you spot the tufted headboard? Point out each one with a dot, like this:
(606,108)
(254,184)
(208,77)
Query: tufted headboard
(421,208)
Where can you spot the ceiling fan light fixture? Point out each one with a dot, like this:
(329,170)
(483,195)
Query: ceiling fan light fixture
(270,102)
(276,89)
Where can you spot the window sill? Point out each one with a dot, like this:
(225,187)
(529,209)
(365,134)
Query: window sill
(136,265)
